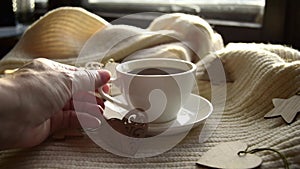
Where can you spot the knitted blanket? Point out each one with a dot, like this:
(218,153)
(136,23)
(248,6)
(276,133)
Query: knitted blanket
(255,74)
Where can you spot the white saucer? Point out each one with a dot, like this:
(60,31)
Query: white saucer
(196,110)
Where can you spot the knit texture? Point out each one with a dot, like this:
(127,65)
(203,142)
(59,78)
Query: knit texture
(255,74)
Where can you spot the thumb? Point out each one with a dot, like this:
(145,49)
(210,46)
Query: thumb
(89,80)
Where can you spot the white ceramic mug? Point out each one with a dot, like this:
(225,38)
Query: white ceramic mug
(158,86)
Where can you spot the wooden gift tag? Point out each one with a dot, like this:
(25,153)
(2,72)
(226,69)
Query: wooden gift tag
(225,155)
(286,108)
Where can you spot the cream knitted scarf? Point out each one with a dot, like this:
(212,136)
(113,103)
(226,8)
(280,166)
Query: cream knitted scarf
(255,73)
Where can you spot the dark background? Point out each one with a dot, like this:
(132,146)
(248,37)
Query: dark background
(281,23)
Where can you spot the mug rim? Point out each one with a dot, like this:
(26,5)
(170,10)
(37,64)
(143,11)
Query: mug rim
(192,67)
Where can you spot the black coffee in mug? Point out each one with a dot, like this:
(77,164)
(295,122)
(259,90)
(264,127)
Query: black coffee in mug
(156,71)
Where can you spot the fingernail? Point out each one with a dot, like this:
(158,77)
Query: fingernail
(105,75)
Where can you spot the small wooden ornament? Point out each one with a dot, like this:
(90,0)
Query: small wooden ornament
(225,155)
(132,125)
(286,108)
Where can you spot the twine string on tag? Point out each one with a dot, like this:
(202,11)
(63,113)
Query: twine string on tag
(286,164)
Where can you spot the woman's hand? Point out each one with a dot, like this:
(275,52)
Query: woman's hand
(38,100)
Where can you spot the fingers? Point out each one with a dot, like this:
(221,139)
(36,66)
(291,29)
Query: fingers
(92,109)
(90,96)
(105,88)
(89,80)
(73,120)
(62,120)
(88,121)
(86,97)
(89,116)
